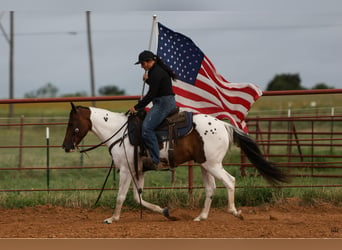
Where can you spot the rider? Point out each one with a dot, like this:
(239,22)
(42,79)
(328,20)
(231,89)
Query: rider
(158,76)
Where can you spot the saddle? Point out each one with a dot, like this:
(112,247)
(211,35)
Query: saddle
(176,125)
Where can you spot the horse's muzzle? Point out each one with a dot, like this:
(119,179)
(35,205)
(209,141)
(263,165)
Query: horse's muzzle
(68,149)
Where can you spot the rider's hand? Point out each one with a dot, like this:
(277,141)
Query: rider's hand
(145,77)
(132,110)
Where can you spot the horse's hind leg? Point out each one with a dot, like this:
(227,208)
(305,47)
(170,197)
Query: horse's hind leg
(228,181)
(231,197)
(210,186)
(125,181)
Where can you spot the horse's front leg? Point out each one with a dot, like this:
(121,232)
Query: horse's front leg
(124,183)
(137,192)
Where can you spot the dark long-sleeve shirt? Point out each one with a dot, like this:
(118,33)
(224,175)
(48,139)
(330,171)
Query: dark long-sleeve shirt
(160,84)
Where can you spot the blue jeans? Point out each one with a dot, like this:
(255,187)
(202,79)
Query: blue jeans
(162,107)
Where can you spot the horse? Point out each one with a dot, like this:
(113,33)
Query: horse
(206,144)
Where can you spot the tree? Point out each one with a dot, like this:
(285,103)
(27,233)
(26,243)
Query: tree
(48,90)
(322,85)
(111,90)
(76,94)
(285,82)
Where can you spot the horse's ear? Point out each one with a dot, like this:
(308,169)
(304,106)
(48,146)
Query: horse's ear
(73,107)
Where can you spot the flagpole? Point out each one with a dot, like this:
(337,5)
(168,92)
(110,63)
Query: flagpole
(154,19)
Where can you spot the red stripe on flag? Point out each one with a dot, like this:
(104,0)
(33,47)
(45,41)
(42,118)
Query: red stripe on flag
(217,78)
(198,98)
(221,95)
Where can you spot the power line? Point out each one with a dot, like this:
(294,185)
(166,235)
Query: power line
(228,28)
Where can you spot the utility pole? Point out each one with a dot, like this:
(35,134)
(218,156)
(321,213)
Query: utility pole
(11,64)
(10,41)
(91,63)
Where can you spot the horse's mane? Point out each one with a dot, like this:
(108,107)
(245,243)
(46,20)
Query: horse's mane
(82,107)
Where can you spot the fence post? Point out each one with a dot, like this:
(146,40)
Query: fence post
(269,138)
(312,145)
(332,129)
(294,131)
(190,177)
(48,158)
(81,156)
(242,165)
(289,135)
(21,139)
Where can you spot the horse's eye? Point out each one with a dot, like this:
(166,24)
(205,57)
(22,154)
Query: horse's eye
(77,130)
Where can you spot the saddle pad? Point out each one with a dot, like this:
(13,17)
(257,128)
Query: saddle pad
(182,130)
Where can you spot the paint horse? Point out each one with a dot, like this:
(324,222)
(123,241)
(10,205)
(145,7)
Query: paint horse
(206,144)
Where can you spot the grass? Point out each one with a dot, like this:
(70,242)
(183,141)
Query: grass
(249,193)
(299,105)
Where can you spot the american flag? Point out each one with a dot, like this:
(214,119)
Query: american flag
(199,88)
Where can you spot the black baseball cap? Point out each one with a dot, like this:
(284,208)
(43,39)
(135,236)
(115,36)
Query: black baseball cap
(145,56)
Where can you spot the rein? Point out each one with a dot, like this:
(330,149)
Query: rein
(103,142)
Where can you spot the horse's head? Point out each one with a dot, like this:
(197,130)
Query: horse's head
(78,126)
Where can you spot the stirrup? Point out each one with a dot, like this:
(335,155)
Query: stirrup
(148,164)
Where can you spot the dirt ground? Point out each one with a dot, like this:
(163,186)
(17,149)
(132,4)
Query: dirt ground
(286,220)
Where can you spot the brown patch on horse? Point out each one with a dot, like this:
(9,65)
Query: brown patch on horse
(189,147)
(78,126)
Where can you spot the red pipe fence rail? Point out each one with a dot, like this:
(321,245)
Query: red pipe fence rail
(307,146)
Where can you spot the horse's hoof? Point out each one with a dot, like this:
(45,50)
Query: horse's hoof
(166,213)
(238,215)
(199,218)
(107,221)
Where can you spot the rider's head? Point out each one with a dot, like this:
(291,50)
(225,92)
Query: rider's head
(146,59)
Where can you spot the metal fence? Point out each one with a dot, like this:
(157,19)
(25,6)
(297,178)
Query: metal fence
(307,146)
(301,142)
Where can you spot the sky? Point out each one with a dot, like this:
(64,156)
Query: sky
(246,40)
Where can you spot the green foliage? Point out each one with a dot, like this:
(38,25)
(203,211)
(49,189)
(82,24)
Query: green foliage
(111,90)
(314,195)
(291,82)
(48,90)
(310,196)
(251,195)
(76,94)
(322,85)
(285,82)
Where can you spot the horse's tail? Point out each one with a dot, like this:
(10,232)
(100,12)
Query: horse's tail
(267,169)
